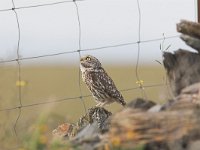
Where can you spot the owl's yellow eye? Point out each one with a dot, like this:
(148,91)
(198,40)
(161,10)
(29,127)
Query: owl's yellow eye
(88,58)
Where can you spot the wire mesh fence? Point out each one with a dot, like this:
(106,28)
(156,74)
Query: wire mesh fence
(19,60)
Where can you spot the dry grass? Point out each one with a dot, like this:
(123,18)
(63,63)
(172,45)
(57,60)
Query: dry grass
(47,83)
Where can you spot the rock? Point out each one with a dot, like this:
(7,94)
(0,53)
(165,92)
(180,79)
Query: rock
(183,69)
(140,103)
(194,145)
(155,108)
(64,130)
(95,114)
(89,134)
(190,33)
(191,41)
(167,130)
(189,98)
(93,124)
(86,134)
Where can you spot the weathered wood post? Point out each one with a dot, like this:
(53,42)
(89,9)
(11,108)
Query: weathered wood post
(198,10)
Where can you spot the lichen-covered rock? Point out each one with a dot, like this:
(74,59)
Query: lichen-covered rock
(189,98)
(190,33)
(65,130)
(183,69)
(182,66)
(165,130)
(95,114)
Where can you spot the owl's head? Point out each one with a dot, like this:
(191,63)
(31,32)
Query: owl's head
(89,62)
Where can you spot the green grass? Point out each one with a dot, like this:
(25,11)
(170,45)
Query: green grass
(48,83)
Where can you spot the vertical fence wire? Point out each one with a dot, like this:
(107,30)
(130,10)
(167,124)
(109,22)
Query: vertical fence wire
(195,10)
(19,69)
(79,42)
(198,10)
(139,81)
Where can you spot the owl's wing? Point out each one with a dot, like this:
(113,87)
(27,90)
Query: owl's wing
(107,86)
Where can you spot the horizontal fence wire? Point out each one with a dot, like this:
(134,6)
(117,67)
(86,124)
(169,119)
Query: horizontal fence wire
(40,5)
(88,49)
(80,97)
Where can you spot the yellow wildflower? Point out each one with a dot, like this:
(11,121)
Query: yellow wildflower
(140,82)
(21,83)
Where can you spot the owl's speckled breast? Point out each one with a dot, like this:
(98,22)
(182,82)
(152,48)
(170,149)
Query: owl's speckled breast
(99,83)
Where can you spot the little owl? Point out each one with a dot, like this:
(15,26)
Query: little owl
(99,83)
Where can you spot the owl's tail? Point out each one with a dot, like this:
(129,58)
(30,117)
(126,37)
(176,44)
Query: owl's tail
(123,103)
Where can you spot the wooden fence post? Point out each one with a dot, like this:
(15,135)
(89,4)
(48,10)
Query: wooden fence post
(198,10)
